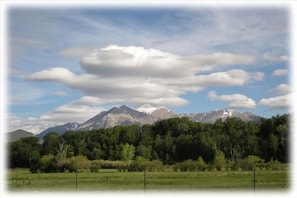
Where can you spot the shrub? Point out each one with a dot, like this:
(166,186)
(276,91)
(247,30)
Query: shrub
(95,166)
(275,165)
(190,165)
(219,160)
(79,163)
(200,164)
(250,162)
(141,164)
(48,163)
(121,165)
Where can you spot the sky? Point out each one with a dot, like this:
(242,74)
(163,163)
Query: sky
(67,64)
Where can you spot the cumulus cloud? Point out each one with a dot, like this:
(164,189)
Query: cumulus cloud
(234,100)
(275,58)
(134,61)
(280,72)
(278,102)
(136,75)
(281,89)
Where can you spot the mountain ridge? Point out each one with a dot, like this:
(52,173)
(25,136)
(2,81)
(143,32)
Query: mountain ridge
(60,129)
(124,116)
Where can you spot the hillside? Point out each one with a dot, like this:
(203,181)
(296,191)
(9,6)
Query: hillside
(18,134)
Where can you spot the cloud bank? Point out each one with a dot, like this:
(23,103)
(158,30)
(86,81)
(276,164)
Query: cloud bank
(136,75)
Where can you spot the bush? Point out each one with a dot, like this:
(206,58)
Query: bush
(48,163)
(120,165)
(95,166)
(219,160)
(190,165)
(200,164)
(231,165)
(79,163)
(141,164)
(250,162)
(275,165)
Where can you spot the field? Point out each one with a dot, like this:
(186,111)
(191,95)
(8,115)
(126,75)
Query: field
(113,180)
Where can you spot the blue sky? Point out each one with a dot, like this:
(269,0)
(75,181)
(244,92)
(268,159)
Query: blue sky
(70,63)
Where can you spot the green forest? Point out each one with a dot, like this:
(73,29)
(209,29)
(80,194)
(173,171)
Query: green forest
(177,142)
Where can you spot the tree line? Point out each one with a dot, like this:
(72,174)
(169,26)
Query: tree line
(176,141)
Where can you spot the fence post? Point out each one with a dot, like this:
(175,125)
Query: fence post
(76,181)
(254,180)
(144,179)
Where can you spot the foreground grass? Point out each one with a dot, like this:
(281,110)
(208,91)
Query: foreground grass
(22,179)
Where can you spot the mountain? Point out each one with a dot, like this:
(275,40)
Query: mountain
(18,134)
(158,113)
(163,113)
(212,116)
(60,129)
(146,114)
(122,116)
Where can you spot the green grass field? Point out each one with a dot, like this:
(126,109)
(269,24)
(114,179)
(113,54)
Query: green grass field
(113,180)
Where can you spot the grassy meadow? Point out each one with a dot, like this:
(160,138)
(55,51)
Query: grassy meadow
(113,180)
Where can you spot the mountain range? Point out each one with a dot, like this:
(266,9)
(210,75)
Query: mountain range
(124,116)
(60,129)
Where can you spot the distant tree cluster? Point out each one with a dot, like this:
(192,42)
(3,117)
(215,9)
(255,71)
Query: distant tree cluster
(180,142)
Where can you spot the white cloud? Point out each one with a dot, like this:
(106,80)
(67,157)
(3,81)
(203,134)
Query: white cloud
(59,74)
(275,58)
(146,108)
(70,113)
(136,75)
(236,77)
(134,61)
(233,100)
(280,72)
(77,111)
(281,89)
(212,95)
(278,102)
(29,124)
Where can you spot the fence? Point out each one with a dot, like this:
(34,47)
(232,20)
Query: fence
(145,181)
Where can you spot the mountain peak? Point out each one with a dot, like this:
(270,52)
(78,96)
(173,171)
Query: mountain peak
(212,116)
(124,107)
(163,113)
(147,108)
(18,134)
(122,115)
